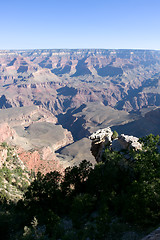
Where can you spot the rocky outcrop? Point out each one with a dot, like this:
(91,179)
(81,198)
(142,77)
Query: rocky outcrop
(104,138)
(100,139)
(125,142)
(102,135)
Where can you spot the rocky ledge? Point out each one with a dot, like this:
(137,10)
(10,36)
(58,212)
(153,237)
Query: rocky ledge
(106,137)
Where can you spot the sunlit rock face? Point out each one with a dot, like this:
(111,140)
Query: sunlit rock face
(103,138)
(125,142)
(100,139)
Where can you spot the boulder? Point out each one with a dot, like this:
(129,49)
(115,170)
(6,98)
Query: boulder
(125,142)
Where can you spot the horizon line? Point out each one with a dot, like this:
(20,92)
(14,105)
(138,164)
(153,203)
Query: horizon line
(25,49)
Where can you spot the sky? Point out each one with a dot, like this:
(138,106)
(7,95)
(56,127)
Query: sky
(102,24)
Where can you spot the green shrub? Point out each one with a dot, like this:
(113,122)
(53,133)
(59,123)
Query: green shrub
(115,135)
(1,182)
(18,171)
(4,197)
(4,144)
(7,173)
(132,187)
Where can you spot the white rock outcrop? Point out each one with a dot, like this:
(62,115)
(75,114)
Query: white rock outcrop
(104,137)
(100,139)
(126,142)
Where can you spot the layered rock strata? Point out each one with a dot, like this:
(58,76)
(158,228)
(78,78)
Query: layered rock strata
(62,79)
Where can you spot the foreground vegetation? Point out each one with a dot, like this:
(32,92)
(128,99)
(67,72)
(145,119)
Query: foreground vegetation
(14,177)
(118,198)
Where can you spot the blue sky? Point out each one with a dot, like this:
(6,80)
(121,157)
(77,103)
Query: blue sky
(123,24)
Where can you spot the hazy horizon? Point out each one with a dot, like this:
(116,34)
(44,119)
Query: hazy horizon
(26,49)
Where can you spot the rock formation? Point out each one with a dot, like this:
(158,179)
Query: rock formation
(125,142)
(102,135)
(35,135)
(100,139)
(104,138)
